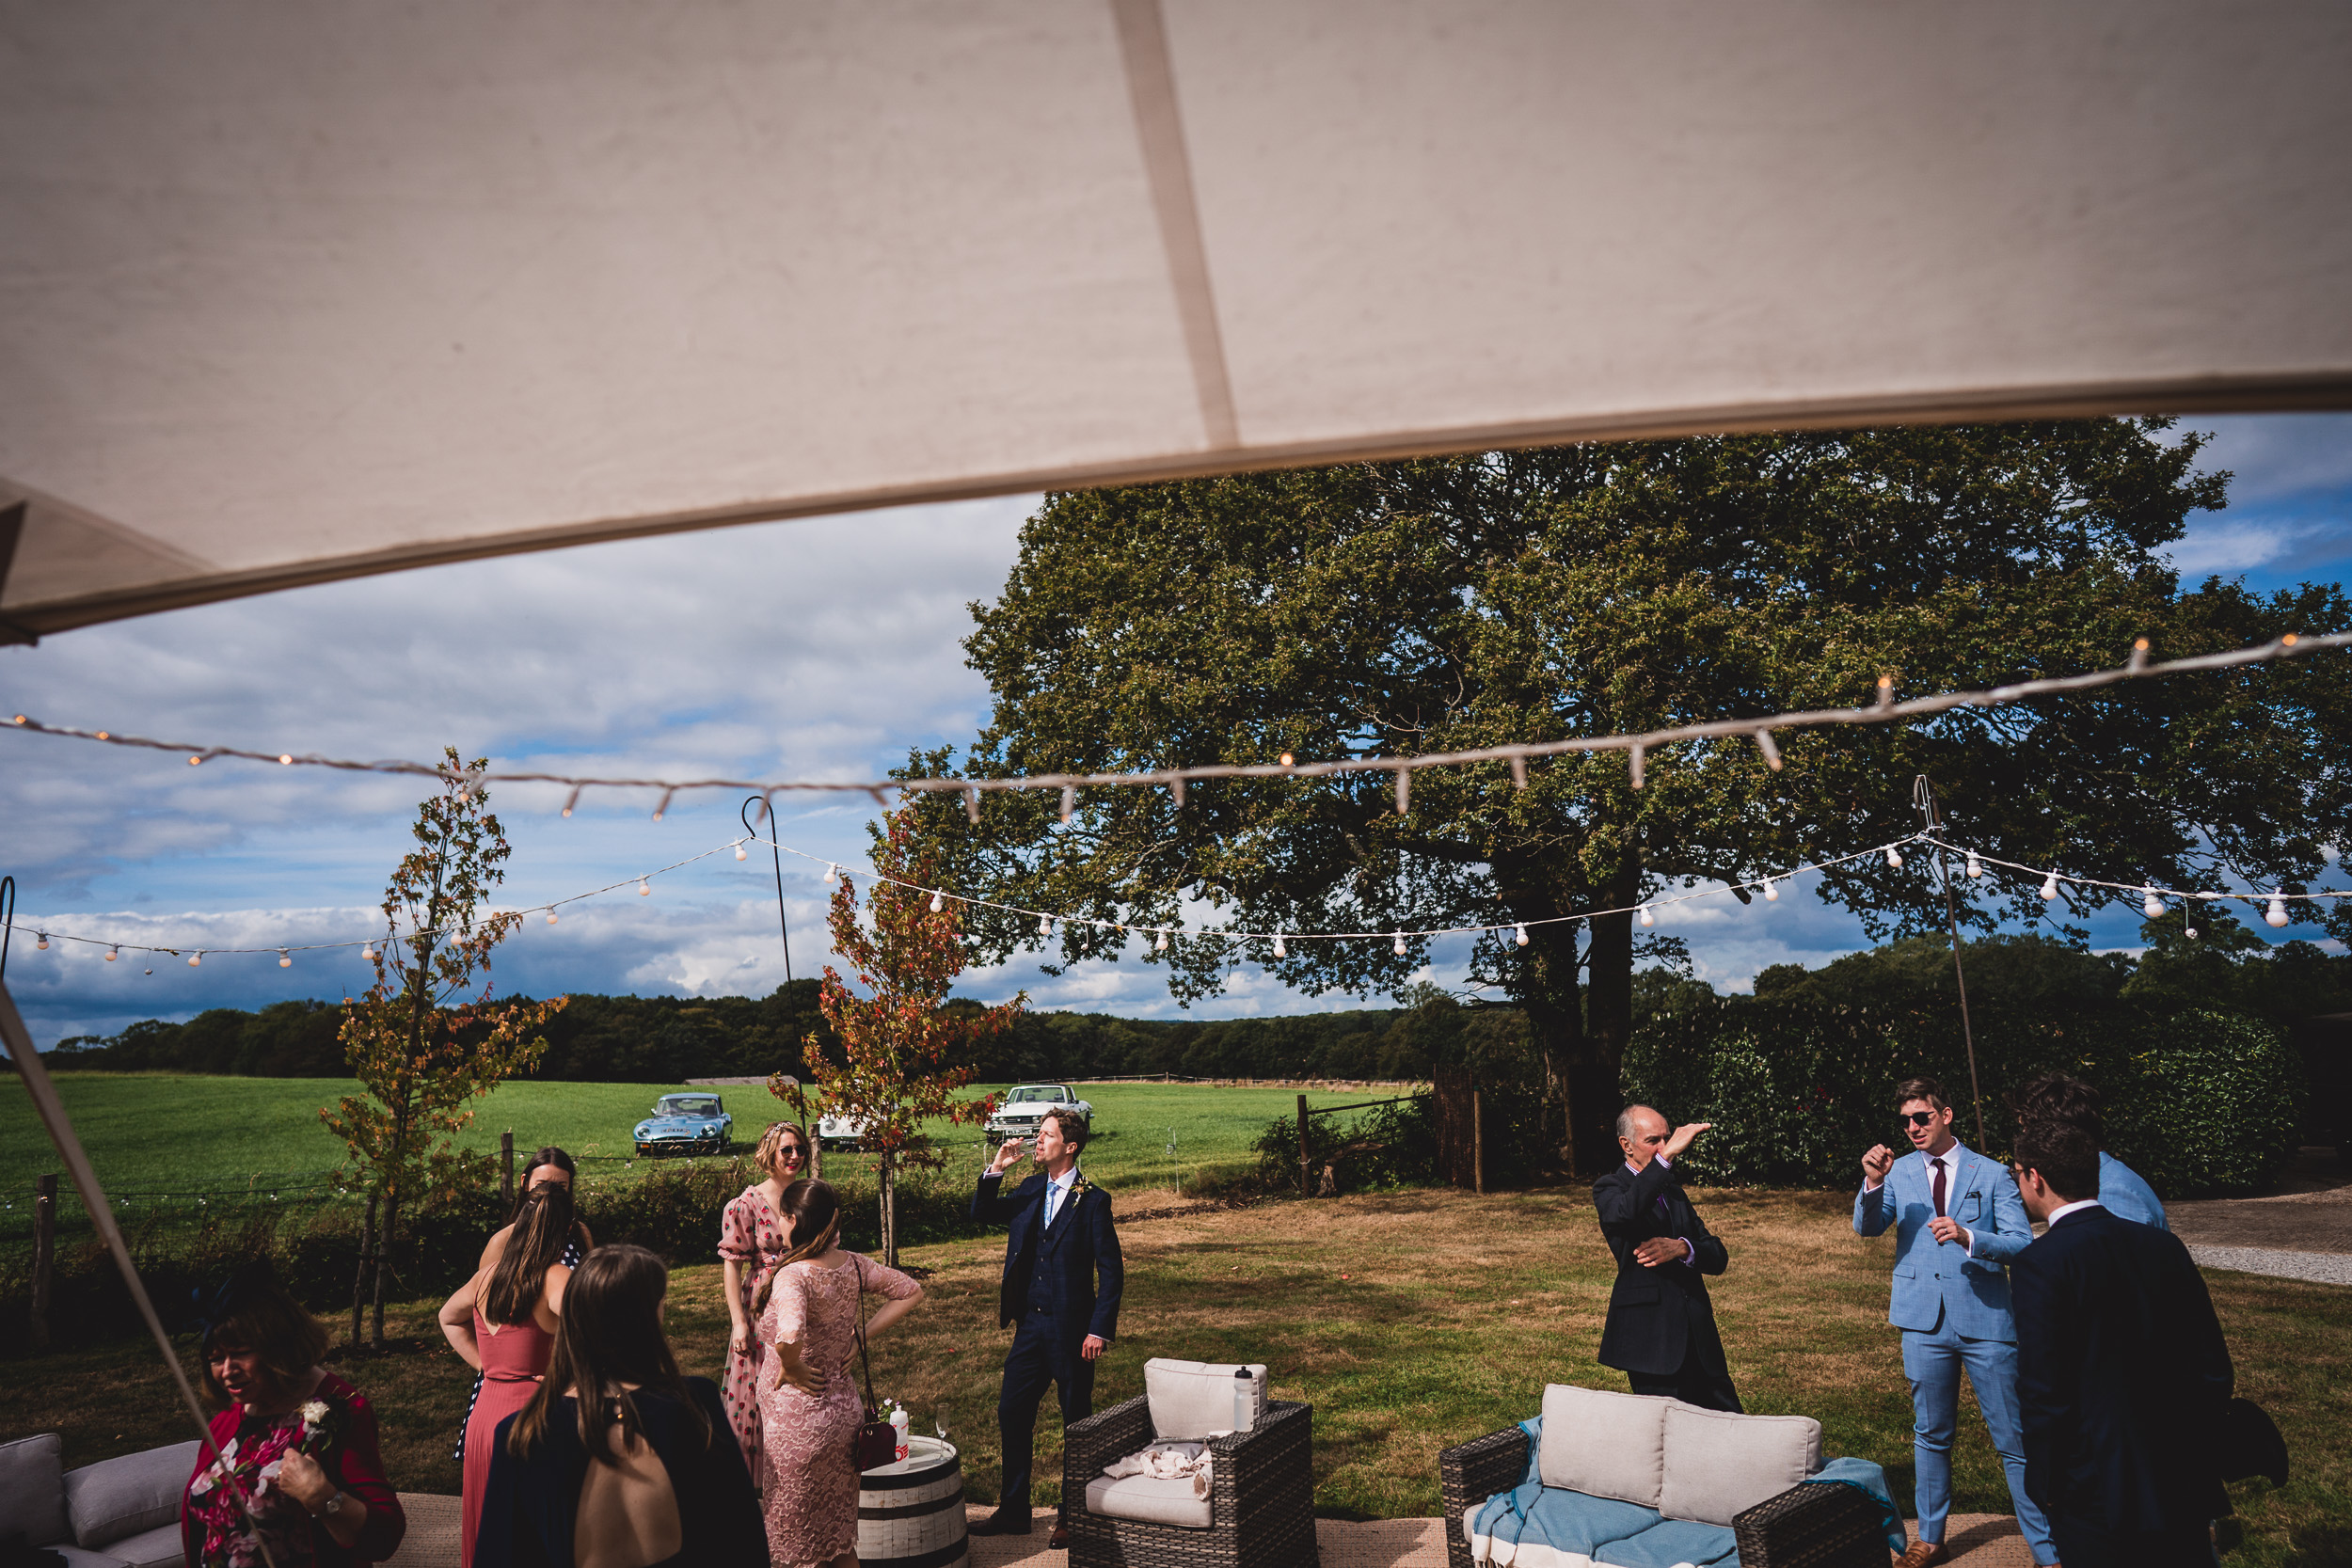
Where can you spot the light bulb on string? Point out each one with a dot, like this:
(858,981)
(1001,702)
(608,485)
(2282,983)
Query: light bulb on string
(2277,913)
(1399,947)
(1161,945)
(285,959)
(195,961)
(1522,935)
(1647,918)
(1894,861)
(741,853)
(644,889)
(114,952)
(2151,906)
(1280,950)
(938,903)
(1771,892)
(550,917)
(833,872)
(1045,925)
(2050,888)
(367,952)
(1976,868)
(43,942)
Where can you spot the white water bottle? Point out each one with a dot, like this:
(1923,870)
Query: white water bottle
(1244,1400)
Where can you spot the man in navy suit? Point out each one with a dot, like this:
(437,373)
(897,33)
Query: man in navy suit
(1060,1242)
(2055,1097)
(1957,1217)
(2122,1372)
(1660,1330)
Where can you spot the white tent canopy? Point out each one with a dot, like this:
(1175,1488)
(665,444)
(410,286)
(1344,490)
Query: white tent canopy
(296,292)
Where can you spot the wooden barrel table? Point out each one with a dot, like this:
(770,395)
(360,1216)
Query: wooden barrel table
(911,1514)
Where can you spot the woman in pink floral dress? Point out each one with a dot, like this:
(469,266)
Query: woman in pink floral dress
(810,1406)
(751,1239)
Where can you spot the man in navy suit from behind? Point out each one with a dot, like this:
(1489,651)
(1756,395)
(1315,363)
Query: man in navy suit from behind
(1060,1242)
(2122,1374)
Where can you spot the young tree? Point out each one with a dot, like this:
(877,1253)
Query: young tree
(1454,603)
(906,1055)
(422,1042)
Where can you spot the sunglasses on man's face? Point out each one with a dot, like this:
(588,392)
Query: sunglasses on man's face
(1919,1118)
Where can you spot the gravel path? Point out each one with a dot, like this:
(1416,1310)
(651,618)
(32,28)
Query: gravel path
(2320,1268)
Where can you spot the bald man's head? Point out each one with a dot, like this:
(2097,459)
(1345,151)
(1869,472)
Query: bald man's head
(1641,1133)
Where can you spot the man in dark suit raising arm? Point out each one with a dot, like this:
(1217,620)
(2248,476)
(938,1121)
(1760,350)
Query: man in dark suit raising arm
(1662,1327)
(1059,1242)
(2122,1372)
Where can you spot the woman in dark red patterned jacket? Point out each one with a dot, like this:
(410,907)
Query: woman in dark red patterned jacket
(299,1467)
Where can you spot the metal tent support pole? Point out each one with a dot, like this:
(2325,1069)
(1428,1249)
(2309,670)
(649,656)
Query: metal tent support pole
(37,1082)
(1923,796)
(775,853)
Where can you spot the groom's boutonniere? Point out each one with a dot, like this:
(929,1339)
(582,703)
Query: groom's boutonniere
(1077,1187)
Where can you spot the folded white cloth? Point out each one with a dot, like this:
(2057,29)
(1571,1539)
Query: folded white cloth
(1167,1461)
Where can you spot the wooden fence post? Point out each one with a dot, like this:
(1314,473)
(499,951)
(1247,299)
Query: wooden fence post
(506,1155)
(360,1284)
(44,1254)
(1478,1143)
(1306,1181)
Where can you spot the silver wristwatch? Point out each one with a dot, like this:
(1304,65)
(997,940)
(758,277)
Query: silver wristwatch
(334,1504)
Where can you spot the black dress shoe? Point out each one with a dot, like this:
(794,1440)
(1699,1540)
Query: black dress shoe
(1005,1521)
(1059,1540)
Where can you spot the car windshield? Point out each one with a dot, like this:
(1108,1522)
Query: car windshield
(1039,1094)
(687,1105)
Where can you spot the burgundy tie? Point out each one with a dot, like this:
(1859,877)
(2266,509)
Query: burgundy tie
(1939,1188)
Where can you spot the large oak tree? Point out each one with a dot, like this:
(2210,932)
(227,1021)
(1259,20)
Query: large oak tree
(1433,604)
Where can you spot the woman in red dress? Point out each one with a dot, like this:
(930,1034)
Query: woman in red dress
(299,1467)
(502,1321)
(751,1239)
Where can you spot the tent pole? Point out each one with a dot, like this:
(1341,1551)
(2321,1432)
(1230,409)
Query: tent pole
(1923,796)
(37,1082)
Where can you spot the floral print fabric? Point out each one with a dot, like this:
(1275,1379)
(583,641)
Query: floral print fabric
(751,1235)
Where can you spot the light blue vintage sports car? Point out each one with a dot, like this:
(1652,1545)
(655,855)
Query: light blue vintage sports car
(686,1124)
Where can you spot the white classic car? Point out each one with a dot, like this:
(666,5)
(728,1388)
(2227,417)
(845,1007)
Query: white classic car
(1025,1105)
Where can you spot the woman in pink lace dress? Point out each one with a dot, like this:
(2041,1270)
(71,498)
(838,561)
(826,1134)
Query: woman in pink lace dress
(811,1405)
(751,1239)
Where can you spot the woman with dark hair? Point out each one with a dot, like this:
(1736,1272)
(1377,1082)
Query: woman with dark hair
(298,1471)
(808,1309)
(502,1321)
(550,1166)
(751,1240)
(618,1462)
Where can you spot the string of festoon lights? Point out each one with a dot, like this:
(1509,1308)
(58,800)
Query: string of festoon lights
(1636,746)
(2152,904)
(195,956)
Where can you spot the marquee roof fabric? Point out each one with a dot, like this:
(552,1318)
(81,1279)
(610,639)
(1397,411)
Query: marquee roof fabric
(291,292)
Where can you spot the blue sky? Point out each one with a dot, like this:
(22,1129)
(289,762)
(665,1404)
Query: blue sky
(822,648)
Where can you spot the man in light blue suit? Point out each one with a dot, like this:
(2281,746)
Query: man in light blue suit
(1957,1217)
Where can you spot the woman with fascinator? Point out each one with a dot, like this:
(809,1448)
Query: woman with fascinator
(807,1311)
(504,1319)
(299,1474)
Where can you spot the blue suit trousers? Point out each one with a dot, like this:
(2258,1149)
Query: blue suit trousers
(1043,1352)
(1933,1362)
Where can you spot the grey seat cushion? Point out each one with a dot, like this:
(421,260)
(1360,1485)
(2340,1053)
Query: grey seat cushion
(32,1490)
(1150,1500)
(160,1547)
(116,1498)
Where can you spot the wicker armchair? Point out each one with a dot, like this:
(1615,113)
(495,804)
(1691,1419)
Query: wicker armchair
(1261,1496)
(1812,1525)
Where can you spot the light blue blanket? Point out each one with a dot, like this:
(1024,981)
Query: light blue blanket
(1540,1526)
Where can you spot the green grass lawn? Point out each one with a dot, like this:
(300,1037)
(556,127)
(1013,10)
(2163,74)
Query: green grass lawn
(165,1133)
(1411,1320)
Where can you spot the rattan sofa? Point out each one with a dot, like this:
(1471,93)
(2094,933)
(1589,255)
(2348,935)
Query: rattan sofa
(1262,1495)
(1819,1523)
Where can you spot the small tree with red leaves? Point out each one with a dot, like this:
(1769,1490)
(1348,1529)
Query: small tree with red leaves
(905,1058)
(418,1043)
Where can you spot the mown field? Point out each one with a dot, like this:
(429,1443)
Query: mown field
(1410,1321)
(181,1136)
